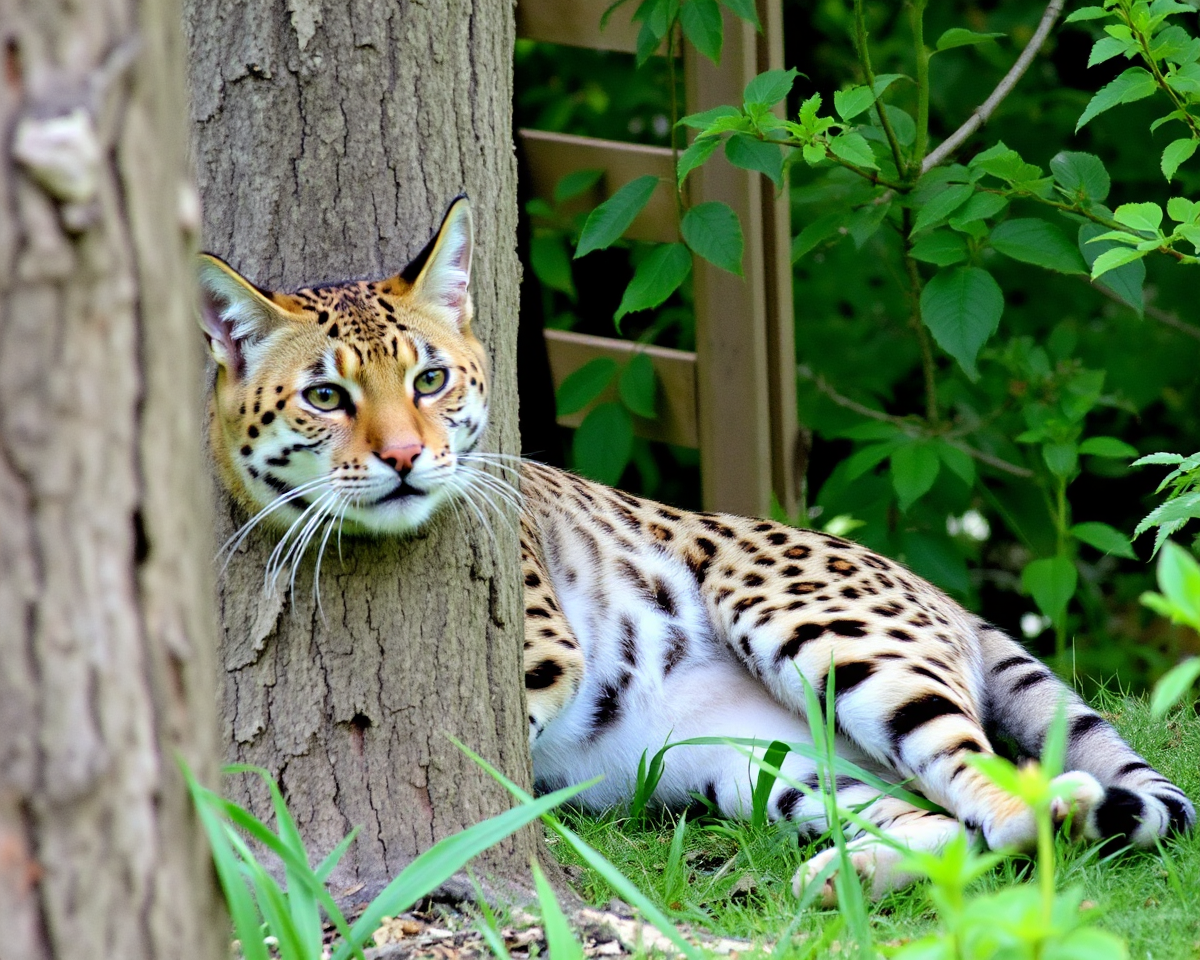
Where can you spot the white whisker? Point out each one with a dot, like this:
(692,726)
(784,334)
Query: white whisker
(239,536)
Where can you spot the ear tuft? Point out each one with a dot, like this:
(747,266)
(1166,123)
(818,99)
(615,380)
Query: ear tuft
(233,312)
(443,269)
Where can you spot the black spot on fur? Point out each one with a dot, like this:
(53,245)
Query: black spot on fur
(268,417)
(797,552)
(1082,725)
(890,609)
(1119,813)
(1031,679)
(543,675)
(847,676)
(777,538)
(752,580)
(677,650)
(747,602)
(850,593)
(848,628)
(540,612)
(802,587)
(333,329)
(789,798)
(1009,663)
(1180,821)
(897,634)
(252,432)
(245,451)
(917,713)
(664,599)
(707,547)
(800,636)
(1133,767)
(532,579)
(608,704)
(840,565)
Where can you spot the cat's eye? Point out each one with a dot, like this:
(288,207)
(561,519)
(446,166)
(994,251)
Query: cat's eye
(429,382)
(327,397)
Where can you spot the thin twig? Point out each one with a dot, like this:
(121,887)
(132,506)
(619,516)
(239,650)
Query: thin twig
(984,111)
(992,461)
(864,59)
(909,426)
(820,383)
(1154,313)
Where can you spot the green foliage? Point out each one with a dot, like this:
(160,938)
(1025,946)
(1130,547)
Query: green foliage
(947,298)
(291,913)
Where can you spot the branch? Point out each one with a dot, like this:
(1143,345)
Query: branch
(1154,313)
(985,110)
(992,461)
(842,401)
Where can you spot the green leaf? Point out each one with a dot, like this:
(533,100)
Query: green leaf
(1082,175)
(1176,153)
(551,262)
(1179,579)
(868,458)
(961,37)
(603,443)
(1117,257)
(712,230)
(706,118)
(942,205)
(1088,13)
(638,385)
(656,278)
(1051,582)
(1104,538)
(612,218)
(584,385)
(850,103)
(750,153)
(914,468)
(959,462)
(865,222)
(570,185)
(1139,216)
(1106,48)
(701,22)
(1135,83)
(852,147)
(744,9)
(942,247)
(1126,281)
(1038,242)
(1174,684)
(700,150)
(1107,447)
(1182,508)
(560,939)
(1061,458)
(816,233)
(770,87)
(981,206)
(961,307)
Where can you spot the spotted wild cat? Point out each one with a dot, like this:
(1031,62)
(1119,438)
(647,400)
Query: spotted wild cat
(363,403)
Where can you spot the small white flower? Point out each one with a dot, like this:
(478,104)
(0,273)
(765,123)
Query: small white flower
(1033,624)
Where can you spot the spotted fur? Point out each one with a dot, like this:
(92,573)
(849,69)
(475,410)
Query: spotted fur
(645,624)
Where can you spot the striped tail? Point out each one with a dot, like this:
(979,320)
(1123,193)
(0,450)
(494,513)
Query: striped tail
(1022,697)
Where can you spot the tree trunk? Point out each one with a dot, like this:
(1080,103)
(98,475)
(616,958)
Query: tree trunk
(330,138)
(107,638)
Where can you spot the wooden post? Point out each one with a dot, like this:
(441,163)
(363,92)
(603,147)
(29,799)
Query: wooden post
(745,353)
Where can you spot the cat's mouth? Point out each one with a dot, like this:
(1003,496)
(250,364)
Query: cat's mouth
(402,491)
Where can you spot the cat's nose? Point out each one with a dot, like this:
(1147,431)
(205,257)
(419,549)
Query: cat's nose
(401,458)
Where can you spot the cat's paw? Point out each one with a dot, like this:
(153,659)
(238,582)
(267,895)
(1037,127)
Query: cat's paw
(877,865)
(1078,796)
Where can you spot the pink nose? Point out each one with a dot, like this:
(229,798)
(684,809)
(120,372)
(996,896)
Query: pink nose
(401,458)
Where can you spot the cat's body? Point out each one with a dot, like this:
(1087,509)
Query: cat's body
(363,403)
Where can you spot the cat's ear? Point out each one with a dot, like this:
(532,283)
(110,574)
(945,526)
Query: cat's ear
(441,273)
(233,313)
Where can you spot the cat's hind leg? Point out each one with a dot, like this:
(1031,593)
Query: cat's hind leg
(880,864)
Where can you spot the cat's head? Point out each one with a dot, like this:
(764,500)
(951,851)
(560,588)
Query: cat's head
(353,400)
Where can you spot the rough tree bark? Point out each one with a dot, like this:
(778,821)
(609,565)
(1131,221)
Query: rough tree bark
(107,639)
(329,138)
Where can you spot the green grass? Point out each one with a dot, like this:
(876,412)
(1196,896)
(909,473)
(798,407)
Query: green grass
(734,880)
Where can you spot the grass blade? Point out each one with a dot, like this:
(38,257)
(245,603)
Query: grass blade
(560,941)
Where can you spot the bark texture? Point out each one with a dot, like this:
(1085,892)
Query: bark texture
(107,637)
(329,138)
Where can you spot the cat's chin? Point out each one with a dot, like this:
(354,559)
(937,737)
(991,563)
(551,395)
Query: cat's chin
(395,515)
